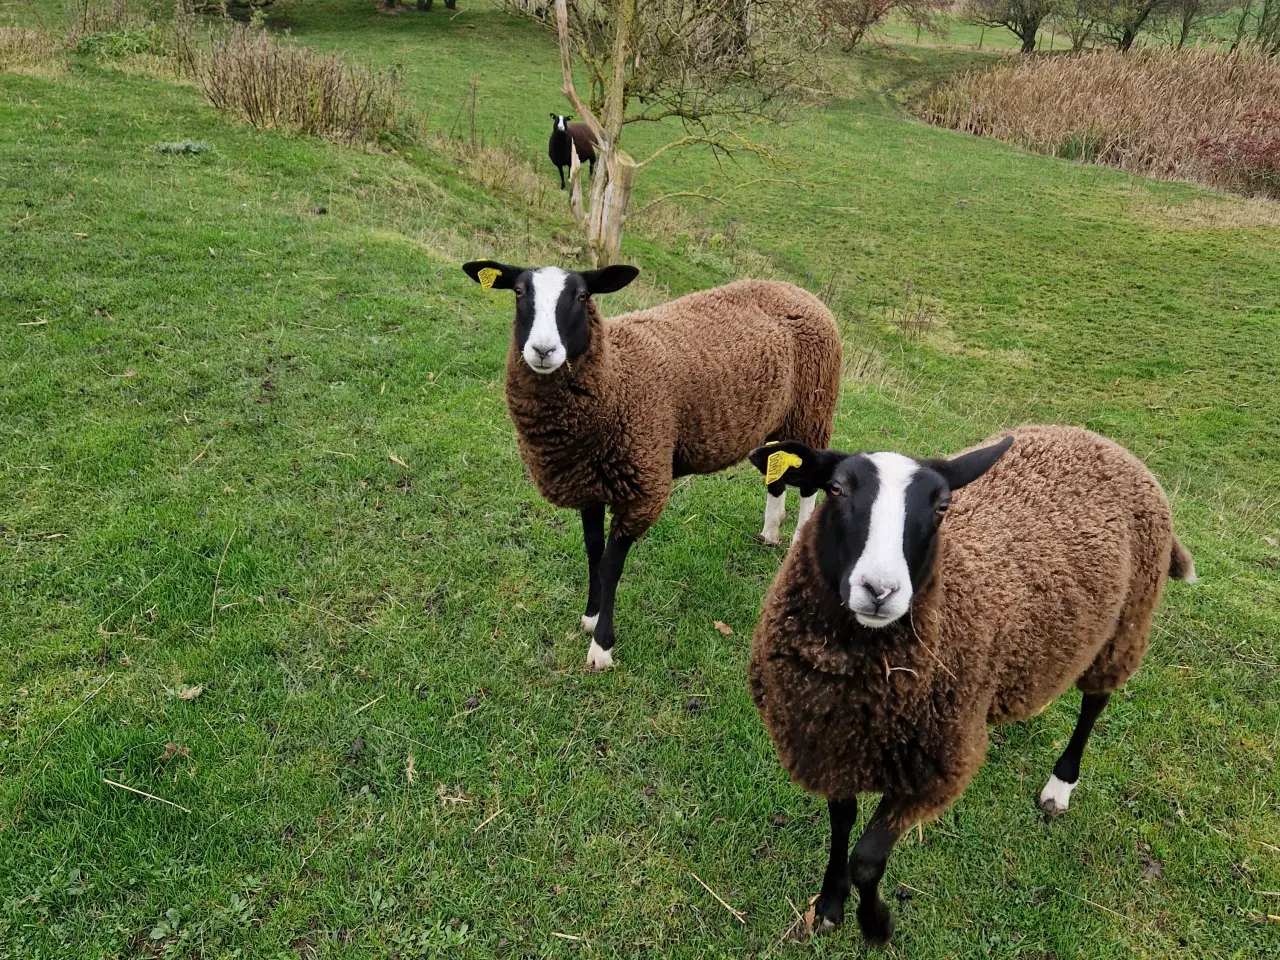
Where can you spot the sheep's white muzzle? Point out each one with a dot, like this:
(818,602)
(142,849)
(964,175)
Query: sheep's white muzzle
(544,363)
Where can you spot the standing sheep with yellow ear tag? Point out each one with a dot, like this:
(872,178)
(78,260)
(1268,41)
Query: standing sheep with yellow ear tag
(609,412)
(929,599)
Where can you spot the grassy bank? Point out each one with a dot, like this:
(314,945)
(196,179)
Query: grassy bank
(209,361)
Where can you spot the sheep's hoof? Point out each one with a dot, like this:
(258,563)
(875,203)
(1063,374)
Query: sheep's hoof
(824,916)
(767,539)
(589,622)
(877,923)
(598,660)
(1055,797)
(1049,807)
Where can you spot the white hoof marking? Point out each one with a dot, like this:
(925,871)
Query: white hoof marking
(589,623)
(598,659)
(1055,798)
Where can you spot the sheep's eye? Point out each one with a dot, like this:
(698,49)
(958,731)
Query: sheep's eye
(941,508)
(582,297)
(519,291)
(835,489)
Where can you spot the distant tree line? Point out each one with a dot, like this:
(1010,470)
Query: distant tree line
(1118,23)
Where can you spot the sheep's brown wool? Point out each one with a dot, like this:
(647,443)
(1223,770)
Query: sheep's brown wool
(1045,572)
(690,386)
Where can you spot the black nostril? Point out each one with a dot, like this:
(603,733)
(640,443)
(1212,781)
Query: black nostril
(879,594)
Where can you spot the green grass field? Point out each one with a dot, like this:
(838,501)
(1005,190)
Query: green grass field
(393,748)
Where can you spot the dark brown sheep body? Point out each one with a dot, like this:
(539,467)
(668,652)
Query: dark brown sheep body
(690,386)
(563,143)
(1046,574)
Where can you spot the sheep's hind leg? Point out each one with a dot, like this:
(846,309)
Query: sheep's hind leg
(828,911)
(775,511)
(866,867)
(1056,795)
(600,654)
(593,539)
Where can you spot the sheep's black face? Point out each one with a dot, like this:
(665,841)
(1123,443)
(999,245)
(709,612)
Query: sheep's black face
(553,324)
(876,533)
(560,123)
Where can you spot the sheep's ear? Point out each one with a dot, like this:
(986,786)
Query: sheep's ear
(968,467)
(554,117)
(796,464)
(492,275)
(609,279)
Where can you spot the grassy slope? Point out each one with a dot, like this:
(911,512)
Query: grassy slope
(260,422)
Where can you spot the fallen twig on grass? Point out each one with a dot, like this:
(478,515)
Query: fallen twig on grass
(737,915)
(213,604)
(369,704)
(143,793)
(486,821)
(1092,904)
(203,451)
(49,735)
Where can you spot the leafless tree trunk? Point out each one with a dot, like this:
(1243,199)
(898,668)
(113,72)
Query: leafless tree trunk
(615,170)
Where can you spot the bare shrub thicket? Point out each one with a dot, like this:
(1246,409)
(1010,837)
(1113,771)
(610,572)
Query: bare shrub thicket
(275,82)
(849,21)
(1022,18)
(1194,114)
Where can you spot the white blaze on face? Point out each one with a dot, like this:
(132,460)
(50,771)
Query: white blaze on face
(543,351)
(881,572)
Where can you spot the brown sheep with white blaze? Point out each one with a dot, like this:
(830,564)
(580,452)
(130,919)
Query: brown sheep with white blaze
(891,638)
(609,412)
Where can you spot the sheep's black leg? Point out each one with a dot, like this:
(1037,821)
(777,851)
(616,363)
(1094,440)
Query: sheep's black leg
(561,169)
(828,911)
(600,656)
(866,866)
(593,538)
(1056,795)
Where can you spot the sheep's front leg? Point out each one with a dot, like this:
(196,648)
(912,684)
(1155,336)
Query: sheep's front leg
(808,496)
(828,911)
(600,654)
(866,867)
(593,539)
(775,511)
(1056,795)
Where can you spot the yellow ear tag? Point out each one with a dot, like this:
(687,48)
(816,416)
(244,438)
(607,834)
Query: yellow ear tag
(488,276)
(778,464)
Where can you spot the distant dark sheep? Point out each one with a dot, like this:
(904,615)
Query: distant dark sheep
(566,136)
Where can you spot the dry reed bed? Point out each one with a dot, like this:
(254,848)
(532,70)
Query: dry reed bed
(1194,114)
(20,47)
